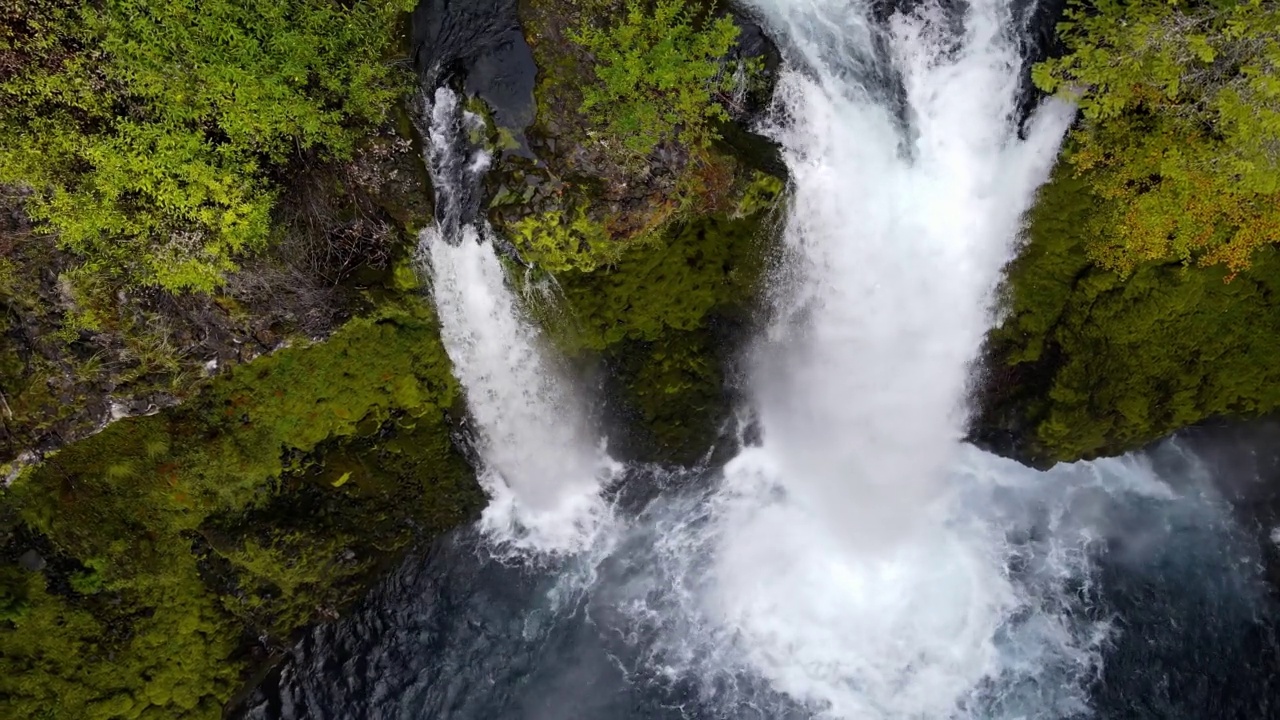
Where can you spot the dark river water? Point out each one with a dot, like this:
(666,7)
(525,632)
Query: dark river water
(1174,572)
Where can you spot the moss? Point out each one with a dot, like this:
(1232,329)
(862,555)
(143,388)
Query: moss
(596,183)
(709,265)
(560,240)
(338,519)
(202,525)
(1102,364)
(675,387)
(760,194)
(650,316)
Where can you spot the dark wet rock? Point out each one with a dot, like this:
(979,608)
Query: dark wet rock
(480,45)
(32,561)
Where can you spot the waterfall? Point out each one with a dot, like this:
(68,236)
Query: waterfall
(857,561)
(906,208)
(846,561)
(541,464)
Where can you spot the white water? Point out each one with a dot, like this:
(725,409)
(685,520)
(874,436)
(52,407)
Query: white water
(896,242)
(856,561)
(541,464)
(853,560)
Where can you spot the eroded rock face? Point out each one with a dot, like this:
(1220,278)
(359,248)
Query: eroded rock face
(556,171)
(77,355)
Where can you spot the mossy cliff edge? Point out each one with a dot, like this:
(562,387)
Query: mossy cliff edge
(1144,299)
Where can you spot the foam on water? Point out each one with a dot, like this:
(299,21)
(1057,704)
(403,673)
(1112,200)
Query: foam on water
(838,560)
(843,561)
(541,463)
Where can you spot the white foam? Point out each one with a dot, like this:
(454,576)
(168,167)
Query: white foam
(840,561)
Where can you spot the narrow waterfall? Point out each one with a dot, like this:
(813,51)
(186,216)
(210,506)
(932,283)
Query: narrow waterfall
(541,463)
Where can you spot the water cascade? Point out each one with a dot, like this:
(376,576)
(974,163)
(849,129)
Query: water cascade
(858,561)
(904,213)
(541,466)
(885,597)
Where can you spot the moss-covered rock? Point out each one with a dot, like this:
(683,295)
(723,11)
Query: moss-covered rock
(1088,363)
(78,351)
(665,320)
(266,502)
(590,191)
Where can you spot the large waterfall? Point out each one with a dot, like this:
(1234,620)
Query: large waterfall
(906,207)
(858,561)
(881,600)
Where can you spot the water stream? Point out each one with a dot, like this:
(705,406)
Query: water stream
(857,561)
(542,468)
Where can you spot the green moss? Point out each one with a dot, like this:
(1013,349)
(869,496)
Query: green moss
(650,315)
(62,661)
(709,265)
(760,194)
(675,385)
(561,240)
(202,525)
(1107,364)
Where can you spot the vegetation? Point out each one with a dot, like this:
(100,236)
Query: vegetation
(700,268)
(652,315)
(1181,106)
(260,506)
(659,64)
(631,99)
(1098,364)
(150,131)
(558,243)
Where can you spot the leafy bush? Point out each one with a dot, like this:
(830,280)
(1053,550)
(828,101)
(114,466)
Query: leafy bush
(659,65)
(149,128)
(1181,104)
(560,240)
(1108,363)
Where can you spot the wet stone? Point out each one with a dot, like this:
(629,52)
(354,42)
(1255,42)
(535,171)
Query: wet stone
(32,561)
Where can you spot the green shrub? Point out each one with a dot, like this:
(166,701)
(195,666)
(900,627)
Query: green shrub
(1181,106)
(659,65)
(149,128)
(557,241)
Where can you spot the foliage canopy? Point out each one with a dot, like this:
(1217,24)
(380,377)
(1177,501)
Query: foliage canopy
(1181,131)
(659,65)
(149,130)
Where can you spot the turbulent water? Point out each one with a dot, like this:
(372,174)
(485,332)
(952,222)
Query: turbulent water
(857,561)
